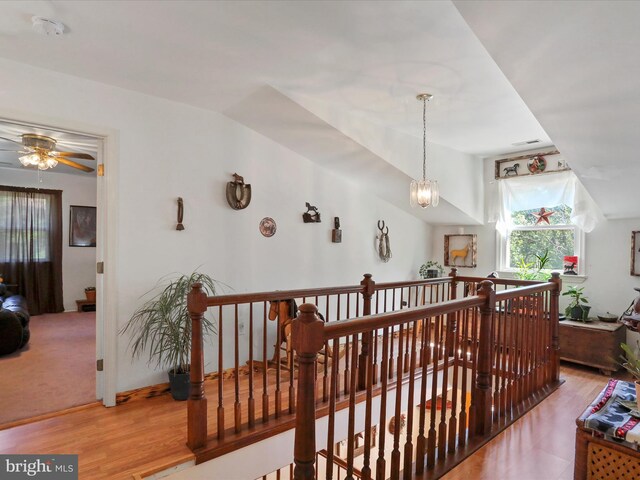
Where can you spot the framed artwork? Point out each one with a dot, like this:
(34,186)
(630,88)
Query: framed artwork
(635,253)
(461,251)
(530,164)
(82,226)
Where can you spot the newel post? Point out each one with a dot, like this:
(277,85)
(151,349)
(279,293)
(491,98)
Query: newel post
(454,283)
(368,289)
(197,403)
(308,340)
(482,390)
(554,314)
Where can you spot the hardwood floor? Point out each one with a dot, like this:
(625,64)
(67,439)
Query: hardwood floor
(540,445)
(147,435)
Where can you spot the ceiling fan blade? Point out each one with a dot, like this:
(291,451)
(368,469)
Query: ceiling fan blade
(7,150)
(9,140)
(84,156)
(73,164)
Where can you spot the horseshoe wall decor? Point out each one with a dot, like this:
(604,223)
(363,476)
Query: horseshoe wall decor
(238,193)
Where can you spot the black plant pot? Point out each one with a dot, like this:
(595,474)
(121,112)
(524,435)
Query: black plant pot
(580,313)
(432,273)
(179,383)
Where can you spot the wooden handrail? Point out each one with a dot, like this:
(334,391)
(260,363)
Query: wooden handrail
(500,281)
(240,298)
(522,291)
(351,326)
(412,283)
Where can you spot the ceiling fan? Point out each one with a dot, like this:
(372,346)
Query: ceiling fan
(39,151)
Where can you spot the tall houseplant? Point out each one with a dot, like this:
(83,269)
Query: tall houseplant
(533,270)
(162,328)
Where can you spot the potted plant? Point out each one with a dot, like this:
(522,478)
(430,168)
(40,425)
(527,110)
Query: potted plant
(162,327)
(90,293)
(631,363)
(576,308)
(431,269)
(533,270)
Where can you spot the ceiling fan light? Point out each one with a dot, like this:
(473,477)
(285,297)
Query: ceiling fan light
(30,160)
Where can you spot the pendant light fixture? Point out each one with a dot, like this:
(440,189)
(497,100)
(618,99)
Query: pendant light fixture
(424,192)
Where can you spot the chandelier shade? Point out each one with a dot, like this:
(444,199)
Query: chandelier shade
(424,193)
(36,159)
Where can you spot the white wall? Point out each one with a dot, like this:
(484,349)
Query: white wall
(166,150)
(78,263)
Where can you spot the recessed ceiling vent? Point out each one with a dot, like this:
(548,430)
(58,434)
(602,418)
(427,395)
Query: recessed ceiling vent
(46,26)
(526,142)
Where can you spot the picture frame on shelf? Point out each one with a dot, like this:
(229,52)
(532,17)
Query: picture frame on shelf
(461,250)
(82,226)
(635,254)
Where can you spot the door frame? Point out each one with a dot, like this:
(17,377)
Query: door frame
(106,239)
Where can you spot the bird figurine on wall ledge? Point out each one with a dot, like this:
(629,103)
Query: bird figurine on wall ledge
(543,216)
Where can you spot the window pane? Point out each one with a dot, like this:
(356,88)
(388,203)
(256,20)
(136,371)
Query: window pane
(561,216)
(525,244)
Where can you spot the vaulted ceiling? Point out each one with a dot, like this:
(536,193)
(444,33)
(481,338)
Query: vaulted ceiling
(501,72)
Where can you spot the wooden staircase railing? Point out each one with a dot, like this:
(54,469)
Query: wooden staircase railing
(254,380)
(498,349)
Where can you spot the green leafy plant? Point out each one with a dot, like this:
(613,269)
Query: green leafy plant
(162,326)
(630,362)
(534,270)
(430,265)
(578,301)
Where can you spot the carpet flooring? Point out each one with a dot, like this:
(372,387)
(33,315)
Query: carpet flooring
(56,370)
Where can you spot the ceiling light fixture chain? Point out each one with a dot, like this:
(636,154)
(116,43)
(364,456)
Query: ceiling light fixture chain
(425,192)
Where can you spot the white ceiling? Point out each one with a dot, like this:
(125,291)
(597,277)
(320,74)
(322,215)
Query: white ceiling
(370,59)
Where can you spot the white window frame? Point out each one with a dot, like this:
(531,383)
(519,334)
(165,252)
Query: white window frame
(502,245)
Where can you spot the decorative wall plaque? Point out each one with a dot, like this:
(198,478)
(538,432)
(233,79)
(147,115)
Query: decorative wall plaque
(312,215)
(336,233)
(180,226)
(268,227)
(460,251)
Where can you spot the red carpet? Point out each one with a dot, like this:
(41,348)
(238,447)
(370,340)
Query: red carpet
(56,370)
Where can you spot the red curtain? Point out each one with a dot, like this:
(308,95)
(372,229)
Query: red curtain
(31,246)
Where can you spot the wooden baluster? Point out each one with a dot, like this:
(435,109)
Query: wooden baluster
(482,391)
(381,464)
(495,361)
(408,445)
(426,359)
(352,411)
(251,403)
(555,339)
(332,407)
(375,349)
(325,367)
(504,373)
(221,427)
(526,320)
(473,350)
(197,404)
(237,407)
(462,424)
(347,356)
(520,349)
(265,386)
(368,289)
(442,427)
(453,421)
(366,468)
(278,406)
(405,361)
(395,453)
(307,339)
(391,355)
(292,389)
(512,355)
(431,436)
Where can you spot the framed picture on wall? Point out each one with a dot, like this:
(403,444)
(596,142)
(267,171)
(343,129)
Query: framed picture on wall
(82,226)
(635,253)
(461,251)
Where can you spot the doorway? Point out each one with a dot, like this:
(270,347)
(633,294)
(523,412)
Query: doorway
(56,369)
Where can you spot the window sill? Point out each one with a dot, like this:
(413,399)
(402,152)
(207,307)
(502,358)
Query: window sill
(577,279)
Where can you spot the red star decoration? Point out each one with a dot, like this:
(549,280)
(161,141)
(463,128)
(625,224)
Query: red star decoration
(543,216)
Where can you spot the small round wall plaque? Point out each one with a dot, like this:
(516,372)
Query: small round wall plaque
(268,227)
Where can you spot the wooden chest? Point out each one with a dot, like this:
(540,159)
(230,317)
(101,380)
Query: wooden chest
(596,344)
